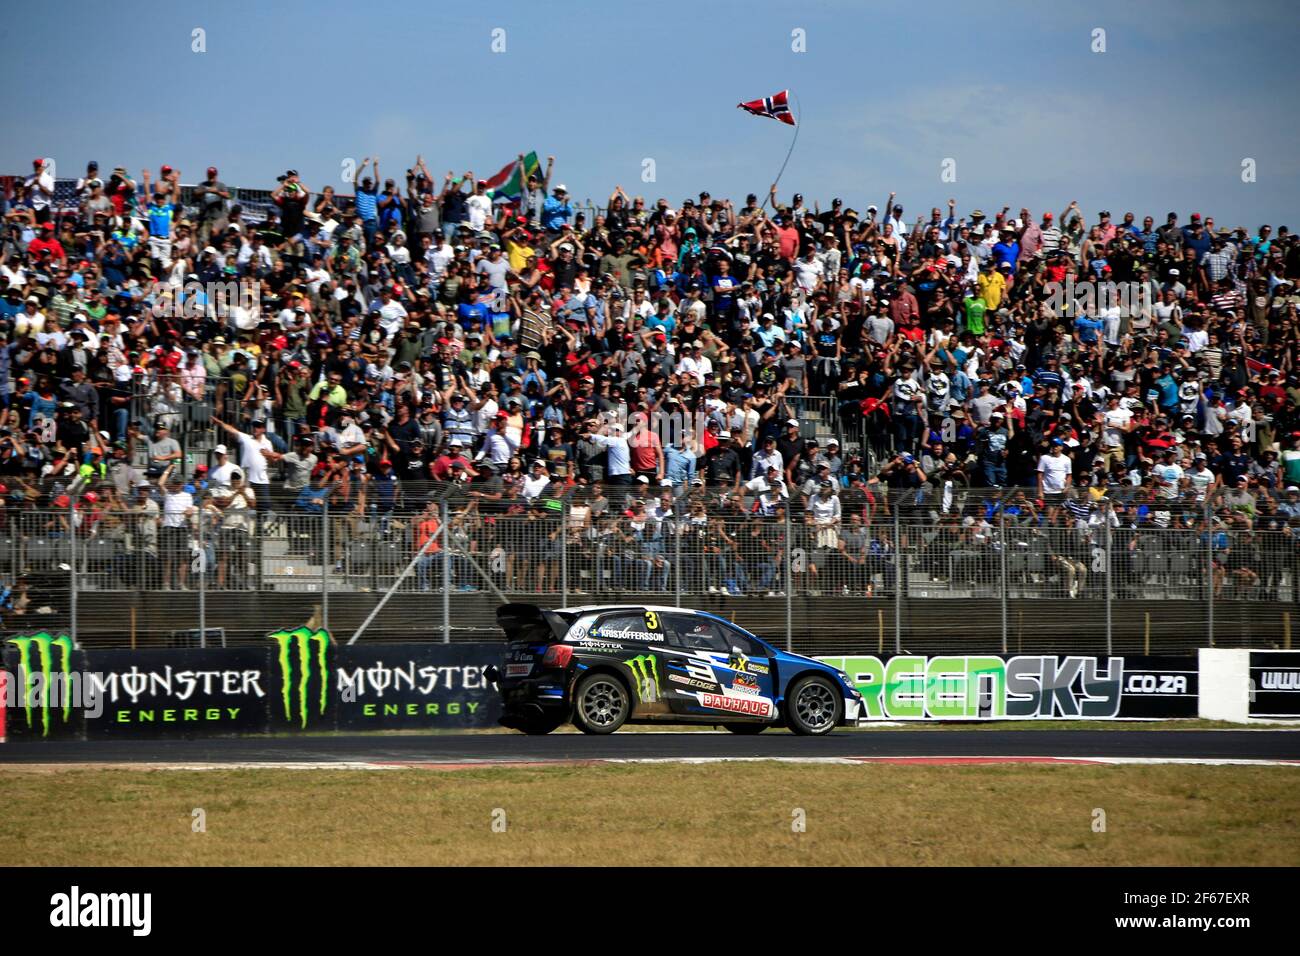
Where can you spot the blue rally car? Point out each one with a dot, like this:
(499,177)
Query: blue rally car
(602,667)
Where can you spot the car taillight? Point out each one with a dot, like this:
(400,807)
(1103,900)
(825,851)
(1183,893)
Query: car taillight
(557,655)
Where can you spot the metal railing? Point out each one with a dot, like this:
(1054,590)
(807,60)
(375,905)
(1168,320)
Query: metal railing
(982,574)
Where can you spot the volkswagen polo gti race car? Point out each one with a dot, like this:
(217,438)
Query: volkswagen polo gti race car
(605,666)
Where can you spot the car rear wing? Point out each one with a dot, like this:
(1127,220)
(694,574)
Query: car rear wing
(528,622)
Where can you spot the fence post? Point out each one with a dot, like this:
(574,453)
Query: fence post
(900,572)
(72,567)
(374,548)
(1106,513)
(446,576)
(326,554)
(677,558)
(202,568)
(789,584)
(1002,561)
(1209,566)
(564,552)
(259,525)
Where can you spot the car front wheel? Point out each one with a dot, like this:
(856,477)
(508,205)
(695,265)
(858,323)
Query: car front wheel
(746,730)
(601,704)
(813,706)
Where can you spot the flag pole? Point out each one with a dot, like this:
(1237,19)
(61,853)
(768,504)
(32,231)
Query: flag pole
(797,123)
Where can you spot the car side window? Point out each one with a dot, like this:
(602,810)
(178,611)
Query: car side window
(699,634)
(742,643)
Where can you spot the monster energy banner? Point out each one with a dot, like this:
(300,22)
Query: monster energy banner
(298,680)
(1022,687)
(177,693)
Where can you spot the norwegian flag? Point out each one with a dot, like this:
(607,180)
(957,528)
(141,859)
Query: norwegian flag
(775,107)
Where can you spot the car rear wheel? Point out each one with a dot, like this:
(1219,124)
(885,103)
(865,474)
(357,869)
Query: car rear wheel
(601,704)
(746,730)
(813,706)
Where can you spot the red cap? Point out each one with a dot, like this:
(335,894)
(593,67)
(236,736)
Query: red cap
(37,162)
(212,170)
(1196,215)
(91,497)
(166,169)
(1047,215)
(199,468)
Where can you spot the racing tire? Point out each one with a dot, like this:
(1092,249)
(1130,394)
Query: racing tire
(813,706)
(601,704)
(746,730)
(539,726)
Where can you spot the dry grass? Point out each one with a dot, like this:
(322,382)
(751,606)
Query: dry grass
(727,814)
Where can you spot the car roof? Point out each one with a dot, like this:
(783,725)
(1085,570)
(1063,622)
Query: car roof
(662,608)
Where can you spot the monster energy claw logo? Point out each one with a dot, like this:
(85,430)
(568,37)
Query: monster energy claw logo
(646,672)
(304,650)
(43,642)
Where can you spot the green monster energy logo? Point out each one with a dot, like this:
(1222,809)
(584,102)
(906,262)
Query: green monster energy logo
(296,648)
(646,672)
(43,642)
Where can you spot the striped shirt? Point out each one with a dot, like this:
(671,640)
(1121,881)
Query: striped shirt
(1078,508)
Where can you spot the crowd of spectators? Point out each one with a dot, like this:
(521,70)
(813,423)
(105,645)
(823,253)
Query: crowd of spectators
(640,373)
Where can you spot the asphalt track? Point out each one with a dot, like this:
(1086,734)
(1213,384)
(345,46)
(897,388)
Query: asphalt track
(517,748)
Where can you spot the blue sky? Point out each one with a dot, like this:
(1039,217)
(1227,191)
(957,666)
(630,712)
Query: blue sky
(1011,91)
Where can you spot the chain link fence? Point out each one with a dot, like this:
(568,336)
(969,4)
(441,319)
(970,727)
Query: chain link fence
(909,571)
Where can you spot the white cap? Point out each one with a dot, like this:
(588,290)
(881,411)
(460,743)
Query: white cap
(219,450)
(561,188)
(643,479)
(665,482)
(724,434)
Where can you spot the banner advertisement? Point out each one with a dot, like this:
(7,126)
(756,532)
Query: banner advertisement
(1022,687)
(299,680)
(1274,684)
(177,693)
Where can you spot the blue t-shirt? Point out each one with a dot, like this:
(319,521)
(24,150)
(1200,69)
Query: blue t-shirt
(555,214)
(1088,329)
(366,202)
(160,220)
(1006,252)
(467,313)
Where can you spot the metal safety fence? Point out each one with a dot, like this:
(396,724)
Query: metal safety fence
(901,571)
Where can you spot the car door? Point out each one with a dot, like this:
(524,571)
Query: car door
(634,639)
(708,679)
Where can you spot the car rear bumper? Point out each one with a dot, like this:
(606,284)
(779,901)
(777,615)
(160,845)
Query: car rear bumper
(533,696)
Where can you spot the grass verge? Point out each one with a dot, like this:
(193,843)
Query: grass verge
(731,814)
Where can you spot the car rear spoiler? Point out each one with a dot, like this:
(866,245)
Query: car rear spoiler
(528,622)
